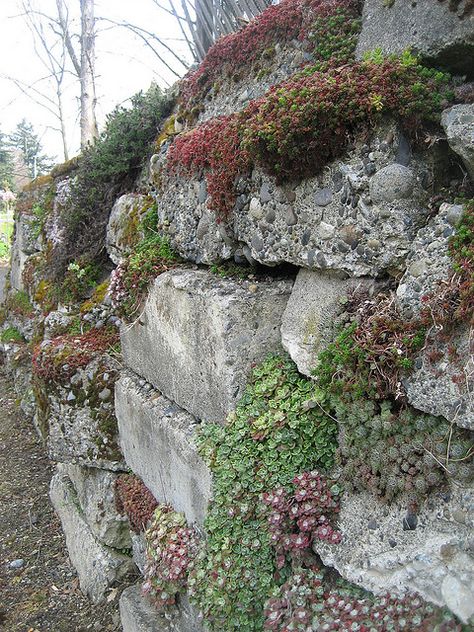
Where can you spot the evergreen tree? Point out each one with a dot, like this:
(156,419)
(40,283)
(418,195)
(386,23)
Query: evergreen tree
(25,139)
(6,165)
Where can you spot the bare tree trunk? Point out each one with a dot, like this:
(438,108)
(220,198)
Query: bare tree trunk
(87,77)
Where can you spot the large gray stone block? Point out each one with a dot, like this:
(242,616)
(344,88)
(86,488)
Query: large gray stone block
(99,567)
(157,441)
(95,490)
(359,215)
(199,334)
(137,614)
(433,554)
(308,321)
(458,123)
(430,28)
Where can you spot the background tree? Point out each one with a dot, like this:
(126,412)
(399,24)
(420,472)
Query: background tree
(6,165)
(26,140)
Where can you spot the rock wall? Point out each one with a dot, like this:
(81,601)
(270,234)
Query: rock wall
(358,272)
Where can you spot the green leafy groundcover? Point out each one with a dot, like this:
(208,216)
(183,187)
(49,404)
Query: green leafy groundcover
(276,432)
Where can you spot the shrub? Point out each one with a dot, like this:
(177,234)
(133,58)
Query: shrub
(11,334)
(105,170)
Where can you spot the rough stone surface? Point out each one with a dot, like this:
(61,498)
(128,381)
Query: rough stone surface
(434,385)
(429,28)
(4,270)
(458,123)
(435,559)
(157,440)
(138,615)
(56,323)
(199,334)
(139,551)
(359,216)
(99,567)
(123,227)
(80,427)
(95,493)
(308,321)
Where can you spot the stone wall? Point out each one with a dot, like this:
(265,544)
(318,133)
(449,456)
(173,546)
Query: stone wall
(284,273)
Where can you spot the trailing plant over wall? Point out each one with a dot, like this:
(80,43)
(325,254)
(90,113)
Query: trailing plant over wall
(150,257)
(58,359)
(133,498)
(305,122)
(234,54)
(275,434)
(171,549)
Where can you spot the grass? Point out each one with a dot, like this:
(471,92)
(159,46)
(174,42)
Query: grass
(6,232)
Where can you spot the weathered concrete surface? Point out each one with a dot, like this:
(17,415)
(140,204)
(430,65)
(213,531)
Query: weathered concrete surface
(309,319)
(430,28)
(381,553)
(157,440)
(138,615)
(95,490)
(78,416)
(99,567)
(4,270)
(358,216)
(458,123)
(123,227)
(440,383)
(199,335)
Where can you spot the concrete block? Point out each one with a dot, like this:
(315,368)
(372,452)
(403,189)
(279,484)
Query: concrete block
(199,335)
(139,615)
(99,567)
(156,437)
(95,491)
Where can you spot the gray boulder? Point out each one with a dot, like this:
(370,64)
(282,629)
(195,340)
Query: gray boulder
(458,123)
(199,334)
(309,318)
(435,30)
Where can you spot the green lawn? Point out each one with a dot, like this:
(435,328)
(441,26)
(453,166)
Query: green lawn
(6,231)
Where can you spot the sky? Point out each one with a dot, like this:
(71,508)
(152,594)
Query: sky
(124,66)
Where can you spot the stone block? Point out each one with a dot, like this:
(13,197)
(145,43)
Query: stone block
(436,31)
(199,334)
(156,437)
(4,271)
(308,321)
(95,490)
(358,216)
(137,614)
(458,123)
(99,567)
(383,549)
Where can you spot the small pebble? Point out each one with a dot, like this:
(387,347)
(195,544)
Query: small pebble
(17,563)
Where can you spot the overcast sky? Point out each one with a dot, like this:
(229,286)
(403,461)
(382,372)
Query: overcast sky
(125,64)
